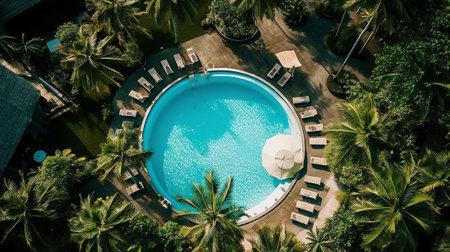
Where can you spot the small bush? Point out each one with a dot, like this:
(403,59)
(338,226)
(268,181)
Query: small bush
(342,44)
(67,33)
(107,112)
(342,83)
(134,55)
(294,11)
(231,22)
(330,8)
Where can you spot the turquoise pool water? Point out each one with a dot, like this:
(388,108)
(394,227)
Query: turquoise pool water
(220,124)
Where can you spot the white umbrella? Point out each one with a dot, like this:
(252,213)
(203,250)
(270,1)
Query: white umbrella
(288,59)
(282,156)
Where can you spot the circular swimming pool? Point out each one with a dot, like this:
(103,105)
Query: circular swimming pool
(218,122)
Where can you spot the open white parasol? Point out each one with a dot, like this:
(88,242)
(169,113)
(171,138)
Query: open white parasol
(288,59)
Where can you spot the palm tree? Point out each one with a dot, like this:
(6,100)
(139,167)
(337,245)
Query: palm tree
(100,225)
(435,175)
(360,133)
(23,209)
(258,8)
(276,239)
(214,217)
(93,64)
(171,11)
(118,18)
(319,241)
(393,206)
(30,48)
(119,154)
(7,49)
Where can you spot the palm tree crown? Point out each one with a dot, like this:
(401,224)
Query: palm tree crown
(258,8)
(93,64)
(30,48)
(119,153)
(276,239)
(214,217)
(118,18)
(21,207)
(319,241)
(99,225)
(393,206)
(359,134)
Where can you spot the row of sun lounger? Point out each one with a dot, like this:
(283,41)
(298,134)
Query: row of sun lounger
(305,206)
(274,71)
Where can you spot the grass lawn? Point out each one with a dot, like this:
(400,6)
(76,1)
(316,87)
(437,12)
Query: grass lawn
(84,131)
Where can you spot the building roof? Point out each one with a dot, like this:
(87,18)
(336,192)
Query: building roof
(18,100)
(12,8)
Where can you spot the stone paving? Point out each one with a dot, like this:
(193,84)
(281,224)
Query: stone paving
(258,57)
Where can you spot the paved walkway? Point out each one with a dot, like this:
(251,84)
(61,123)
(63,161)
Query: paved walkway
(257,56)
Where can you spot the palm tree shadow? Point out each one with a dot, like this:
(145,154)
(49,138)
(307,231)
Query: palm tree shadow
(320,187)
(317,201)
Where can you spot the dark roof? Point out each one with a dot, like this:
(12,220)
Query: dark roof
(18,100)
(12,8)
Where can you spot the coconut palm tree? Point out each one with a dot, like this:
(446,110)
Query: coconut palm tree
(118,18)
(101,224)
(360,132)
(319,241)
(393,206)
(30,48)
(276,239)
(434,172)
(258,8)
(214,216)
(7,49)
(171,11)
(119,154)
(93,64)
(23,209)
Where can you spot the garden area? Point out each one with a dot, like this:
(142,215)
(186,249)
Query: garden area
(388,152)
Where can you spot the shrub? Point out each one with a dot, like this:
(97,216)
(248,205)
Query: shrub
(134,55)
(294,11)
(231,22)
(172,239)
(67,33)
(342,44)
(344,229)
(144,234)
(330,8)
(342,83)
(107,112)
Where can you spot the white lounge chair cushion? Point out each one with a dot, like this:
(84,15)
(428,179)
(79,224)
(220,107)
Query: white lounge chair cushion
(299,218)
(300,99)
(166,66)
(308,193)
(155,75)
(145,83)
(305,206)
(313,180)
(128,112)
(318,161)
(179,60)
(275,69)
(308,113)
(284,79)
(318,140)
(314,127)
(192,56)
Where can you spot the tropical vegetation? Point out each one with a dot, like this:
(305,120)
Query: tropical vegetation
(276,239)
(214,216)
(294,11)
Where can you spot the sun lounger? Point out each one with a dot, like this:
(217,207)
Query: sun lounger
(127,175)
(313,180)
(166,66)
(138,96)
(284,79)
(308,113)
(155,75)
(318,141)
(314,127)
(165,203)
(118,131)
(128,112)
(300,218)
(145,84)
(307,193)
(134,188)
(179,60)
(300,99)
(305,206)
(275,69)
(192,56)
(318,161)
(128,124)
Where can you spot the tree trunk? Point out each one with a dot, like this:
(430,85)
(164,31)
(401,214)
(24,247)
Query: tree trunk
(353,48)
(368,39)
(340,23)
(133,177)
(175,29)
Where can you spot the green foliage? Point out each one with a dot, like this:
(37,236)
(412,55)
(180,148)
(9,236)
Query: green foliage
(7,49)
(215,217)
(232,22)
(344,81)
(319,241)
(23,209)
(107,112)
(118,19)
(134,55)
(393,208)
(28,49)
(68,33)
(100,225)
(276,239)
(93,64)
(343,228)
(342,44)
(143,233)
(294,11)
(61,170)
(258,8)
(172,239)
